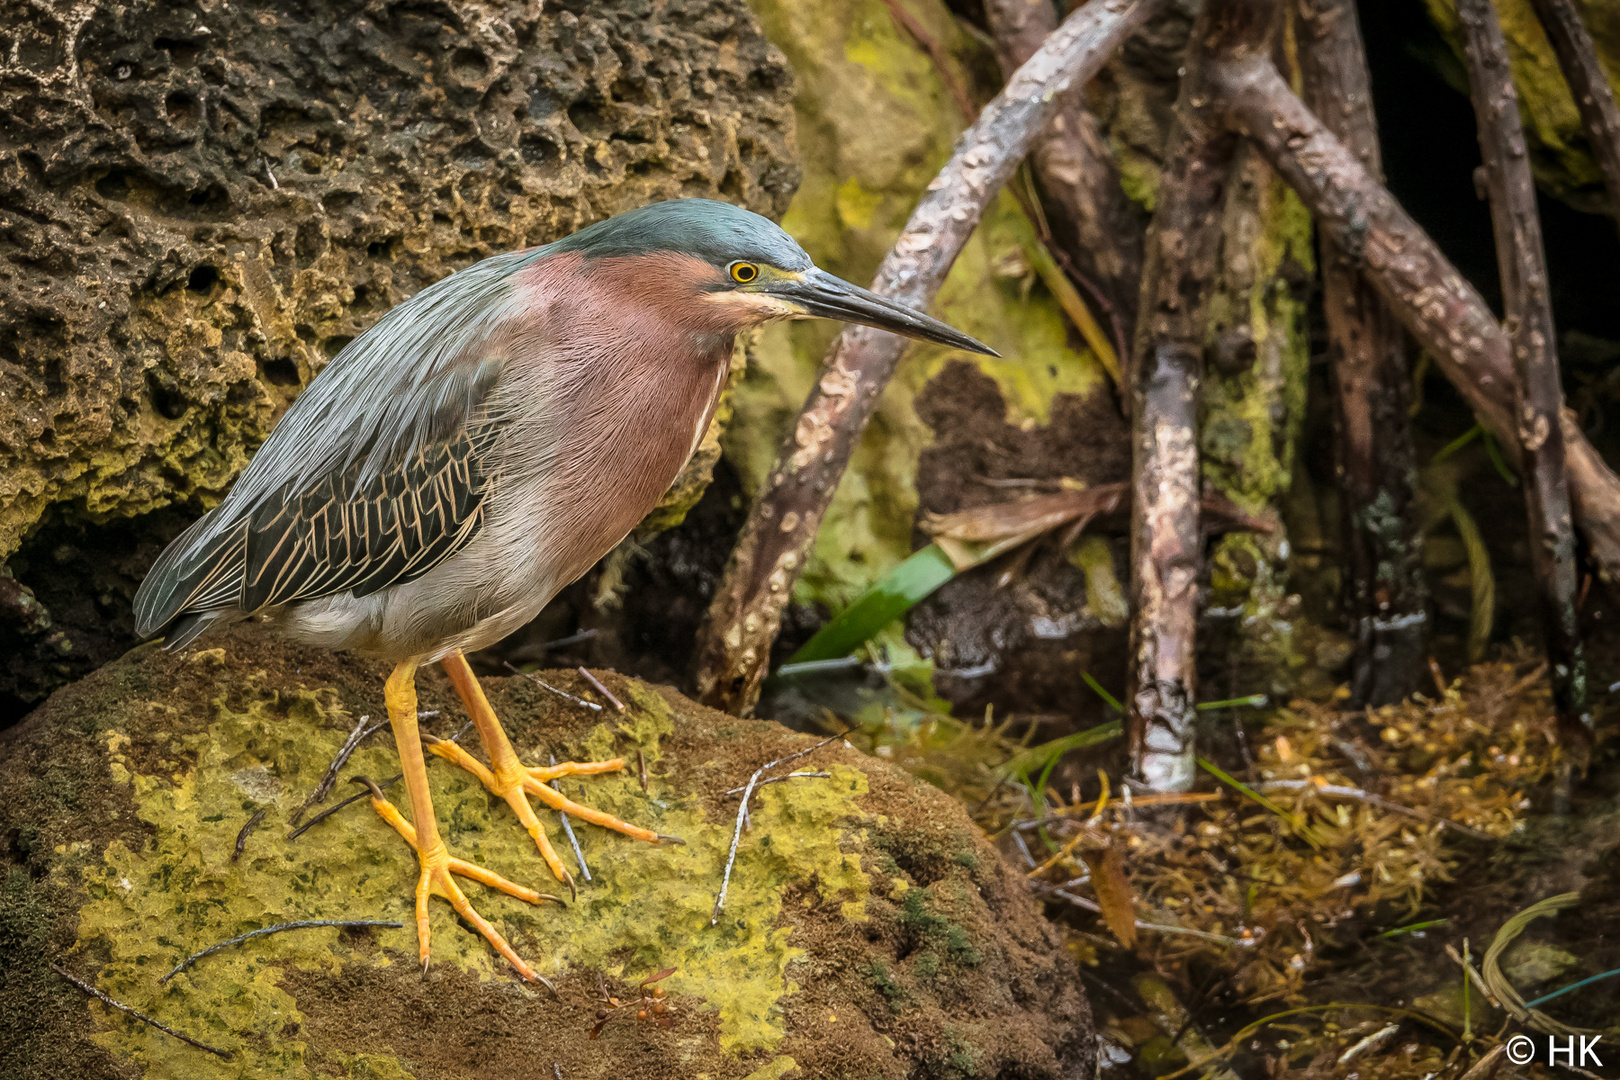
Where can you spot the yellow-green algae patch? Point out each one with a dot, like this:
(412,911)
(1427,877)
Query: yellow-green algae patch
(648,907)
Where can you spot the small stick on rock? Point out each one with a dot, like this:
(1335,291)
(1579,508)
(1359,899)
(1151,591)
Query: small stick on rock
(584,871)
(560,693)
(324,814)
(300,924)
(360,733)
(742,815)
(641,768)
(241,837)
(618,706)
(136,1013)
(780,779)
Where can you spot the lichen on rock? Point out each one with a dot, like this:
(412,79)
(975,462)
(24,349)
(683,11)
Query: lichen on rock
(868,924)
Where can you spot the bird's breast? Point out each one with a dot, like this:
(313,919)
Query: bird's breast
(620,434)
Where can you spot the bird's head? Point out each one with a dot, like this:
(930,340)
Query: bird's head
(735,269)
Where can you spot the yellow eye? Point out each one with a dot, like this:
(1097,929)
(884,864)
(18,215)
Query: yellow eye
(742,273)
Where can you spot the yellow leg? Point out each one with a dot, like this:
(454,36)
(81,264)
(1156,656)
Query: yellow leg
(437,864)
(513,781)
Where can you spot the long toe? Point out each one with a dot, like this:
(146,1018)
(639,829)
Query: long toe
(437,879)
(438,870)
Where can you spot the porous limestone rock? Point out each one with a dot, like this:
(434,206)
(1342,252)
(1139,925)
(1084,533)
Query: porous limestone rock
(870,929)
(202,202)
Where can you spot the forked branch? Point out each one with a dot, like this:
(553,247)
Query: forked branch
(1432,300)
(735,642)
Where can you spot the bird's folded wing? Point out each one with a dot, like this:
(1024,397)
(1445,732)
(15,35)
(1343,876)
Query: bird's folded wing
(376,475)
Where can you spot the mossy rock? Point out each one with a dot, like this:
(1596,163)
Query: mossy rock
(870,930)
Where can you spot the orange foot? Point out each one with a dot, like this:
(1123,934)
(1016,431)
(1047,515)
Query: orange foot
(435,879)
(513,781)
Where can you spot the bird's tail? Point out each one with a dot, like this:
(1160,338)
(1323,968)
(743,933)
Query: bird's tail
(195,583)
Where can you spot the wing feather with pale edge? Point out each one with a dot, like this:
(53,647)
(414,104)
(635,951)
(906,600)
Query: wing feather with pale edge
(371,480)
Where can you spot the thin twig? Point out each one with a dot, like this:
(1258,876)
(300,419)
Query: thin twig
(136,1013)
(241,837)
(618,706)
(560,693)
(641,768)
(360,733)
(1162,928)
(936,53)
(324,814)
(584,871)
(742,814)
(299,924)
(779,779)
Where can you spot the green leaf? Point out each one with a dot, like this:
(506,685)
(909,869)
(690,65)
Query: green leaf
(890,597)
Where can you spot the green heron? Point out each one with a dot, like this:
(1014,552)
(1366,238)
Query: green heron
(476,450)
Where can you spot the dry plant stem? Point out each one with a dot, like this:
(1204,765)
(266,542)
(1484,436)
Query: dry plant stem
(1183,245)
(1093,223)
(1538,394)
(360,733)
(241,837)
(1589,85)
(596,684)
(735,643)
(136,1013)
(1385,595)
(1428,295)
(742,817)
(300,924)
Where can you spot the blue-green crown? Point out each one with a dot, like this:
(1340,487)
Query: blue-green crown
(716,231)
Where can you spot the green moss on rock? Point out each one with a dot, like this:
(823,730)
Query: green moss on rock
(128,791)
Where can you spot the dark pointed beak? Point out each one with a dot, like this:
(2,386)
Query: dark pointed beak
(823,296)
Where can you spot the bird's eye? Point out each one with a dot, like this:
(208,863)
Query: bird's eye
(742,273)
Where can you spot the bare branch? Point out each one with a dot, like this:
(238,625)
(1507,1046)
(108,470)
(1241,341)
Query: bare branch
(1093,223)
(734,645)
(1538,394)
(1428,295)
(1183,247)
(1589,85)
(1385,594)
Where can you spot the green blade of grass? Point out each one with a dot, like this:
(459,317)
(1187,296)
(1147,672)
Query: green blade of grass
(1300,829)
(1036,757)
(1412,928)
(1257,701)
(890,597)
(1110,699)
